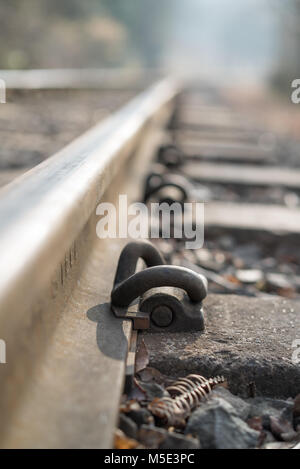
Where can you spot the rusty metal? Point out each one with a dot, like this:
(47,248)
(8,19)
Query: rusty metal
(142,296)
(186,394)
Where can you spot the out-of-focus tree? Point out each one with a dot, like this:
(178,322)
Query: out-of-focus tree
(148,23)
(77,33)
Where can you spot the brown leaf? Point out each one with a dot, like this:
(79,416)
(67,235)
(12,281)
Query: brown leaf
(129,406)
(137,393)
(231,278)
(256,424)
(123,442)
(141,357)
(287,292)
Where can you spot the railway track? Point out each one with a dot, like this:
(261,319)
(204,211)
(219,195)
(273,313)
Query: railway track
(67,353)
(55,269)
(47,109)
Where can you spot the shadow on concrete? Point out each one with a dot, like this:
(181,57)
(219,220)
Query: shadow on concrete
(111,331)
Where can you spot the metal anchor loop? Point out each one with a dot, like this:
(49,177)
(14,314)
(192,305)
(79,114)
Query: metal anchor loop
(170,156)
(156,182)
(152,181)
(130,255)
(160,276)
(178,308)
(168,184)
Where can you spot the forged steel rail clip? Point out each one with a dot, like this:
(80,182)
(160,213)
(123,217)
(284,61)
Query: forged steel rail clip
(160,297)
(170,156)
(156,182)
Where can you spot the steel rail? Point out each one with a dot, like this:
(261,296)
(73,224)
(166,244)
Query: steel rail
(54,271)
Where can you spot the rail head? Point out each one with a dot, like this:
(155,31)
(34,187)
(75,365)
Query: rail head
(43,211)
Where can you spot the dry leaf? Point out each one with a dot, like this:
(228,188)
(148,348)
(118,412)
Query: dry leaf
(287,292)
(137,393)
(231,278)
(256,424)
(129,406)
(123,442)
(141,357)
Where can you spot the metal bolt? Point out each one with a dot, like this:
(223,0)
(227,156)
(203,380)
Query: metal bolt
(162,316)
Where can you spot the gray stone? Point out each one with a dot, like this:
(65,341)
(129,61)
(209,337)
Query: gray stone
(249,275)
(177,441)
(141,417)
(281,445)
(151,437)
(275,281)
(241,407)
(227,242)
(153,390)
(217,426)
(128,426)
(297,406)
(297,424)
(248,252)
(266,408)
(155,437)
(269,438)
(246,340)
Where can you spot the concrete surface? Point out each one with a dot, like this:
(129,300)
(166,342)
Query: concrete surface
(246,340)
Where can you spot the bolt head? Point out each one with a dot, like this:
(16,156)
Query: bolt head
(162,316)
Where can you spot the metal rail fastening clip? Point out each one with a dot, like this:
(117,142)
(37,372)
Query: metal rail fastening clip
(160,297)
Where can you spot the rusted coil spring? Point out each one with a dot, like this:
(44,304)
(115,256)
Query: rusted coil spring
(186,394)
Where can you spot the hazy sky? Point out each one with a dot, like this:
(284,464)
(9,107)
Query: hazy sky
(235,37)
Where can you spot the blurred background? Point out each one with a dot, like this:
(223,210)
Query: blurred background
(239,58)
(222,40)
